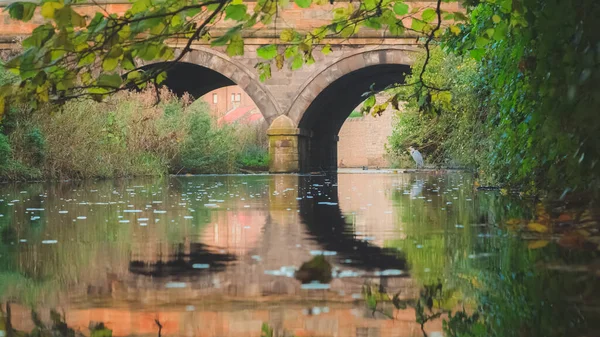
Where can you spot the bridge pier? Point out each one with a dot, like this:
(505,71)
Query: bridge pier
(288,146)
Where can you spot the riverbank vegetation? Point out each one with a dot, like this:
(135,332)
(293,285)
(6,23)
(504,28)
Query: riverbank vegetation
(513,94)
(126,135)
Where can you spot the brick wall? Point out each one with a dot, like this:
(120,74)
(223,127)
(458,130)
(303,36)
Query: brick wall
(362,140)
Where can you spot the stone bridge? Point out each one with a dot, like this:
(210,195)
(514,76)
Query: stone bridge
(305,108)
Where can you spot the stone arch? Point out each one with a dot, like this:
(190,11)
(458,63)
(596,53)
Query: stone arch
(397,59)
(329,96)
(202,70)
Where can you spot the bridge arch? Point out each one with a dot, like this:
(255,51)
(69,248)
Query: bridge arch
(203,70)
(327,98)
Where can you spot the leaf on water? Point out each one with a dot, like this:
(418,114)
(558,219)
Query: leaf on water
(537,227)
(565,217)
(538,244)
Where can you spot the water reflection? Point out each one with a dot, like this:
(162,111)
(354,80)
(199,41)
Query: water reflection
(220,256)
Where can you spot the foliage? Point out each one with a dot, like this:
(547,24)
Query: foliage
(539,81)
(207,148)
(62,58)
(255,158)
(452,132)
(128,135)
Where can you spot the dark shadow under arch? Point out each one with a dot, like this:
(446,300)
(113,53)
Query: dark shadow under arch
(196,80)
(326,114)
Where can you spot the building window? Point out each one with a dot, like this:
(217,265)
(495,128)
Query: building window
(215,98)
(233,97)
(238,97)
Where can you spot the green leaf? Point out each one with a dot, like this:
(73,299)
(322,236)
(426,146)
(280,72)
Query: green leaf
(477,54)
(368,104)
(459,16)
(297,62)
(373,22)
(481,42)
(291,51)
(267,52)
(236,12)
(235,46)
(224,39)
(39,36)
(161,77)
(397,29)
(110,64)
(326,49)
(417,25)
(287,35)
(429,14)
(134,75)
(148,52)
(303,3)
(401,8)
(49,8)
(139,6)
(109,80)
(87,59)
(21,10)
(500,31)
(455,29)
(496,18)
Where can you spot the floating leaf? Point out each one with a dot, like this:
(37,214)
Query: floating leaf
(537,227)
(538,244)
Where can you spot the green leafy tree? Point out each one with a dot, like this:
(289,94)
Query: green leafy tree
(72,55)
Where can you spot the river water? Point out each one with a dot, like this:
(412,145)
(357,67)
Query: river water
(345,255)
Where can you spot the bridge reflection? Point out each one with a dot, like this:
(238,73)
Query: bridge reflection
(237,272)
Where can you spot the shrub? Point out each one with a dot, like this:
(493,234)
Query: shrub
(254,158)
(207,148)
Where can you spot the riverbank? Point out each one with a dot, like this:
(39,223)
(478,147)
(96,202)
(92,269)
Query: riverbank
(128,135)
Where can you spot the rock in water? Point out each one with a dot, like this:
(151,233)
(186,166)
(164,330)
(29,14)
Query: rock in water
(317,269)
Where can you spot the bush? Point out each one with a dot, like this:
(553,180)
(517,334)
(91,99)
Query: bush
(254,158)
(452,134)
(207,147)
(127,135)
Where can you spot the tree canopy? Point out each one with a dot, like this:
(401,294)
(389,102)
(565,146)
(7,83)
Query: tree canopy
(71,55)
